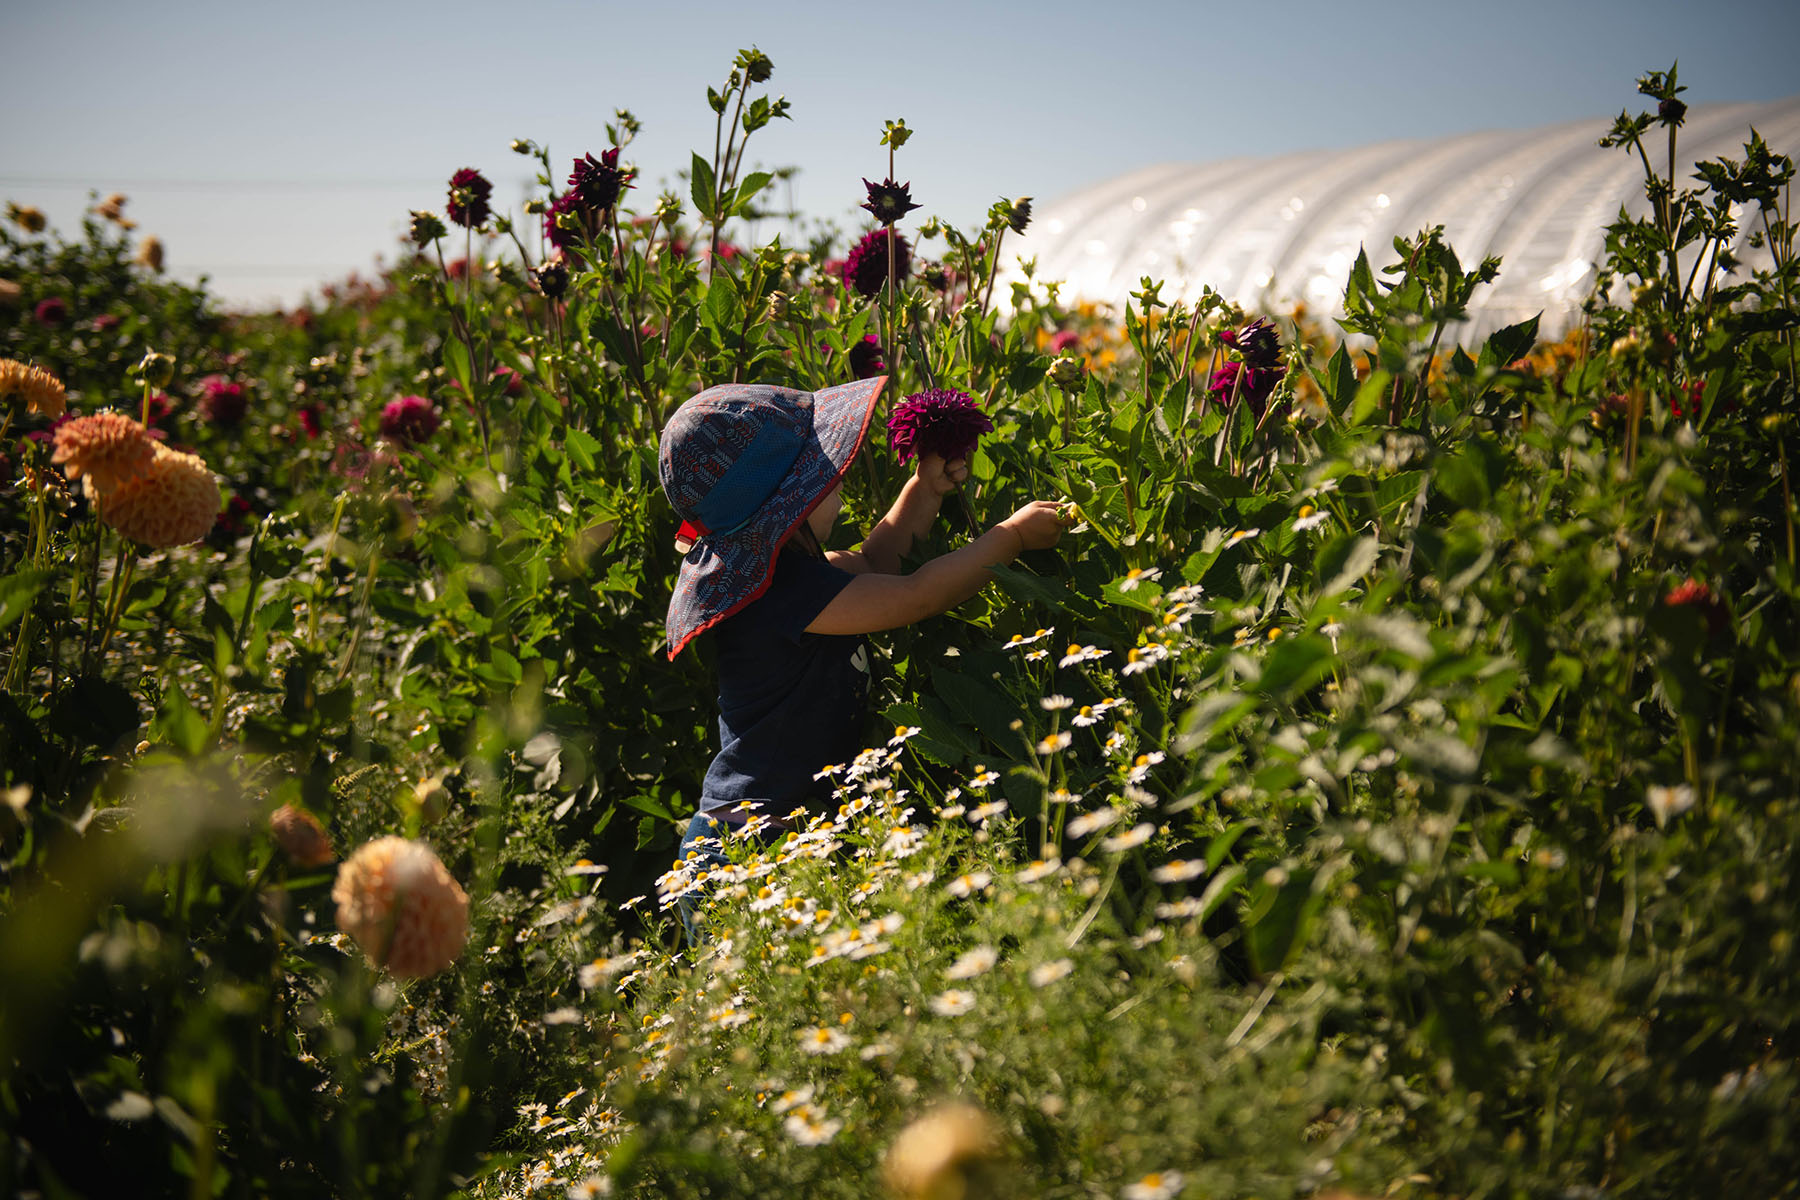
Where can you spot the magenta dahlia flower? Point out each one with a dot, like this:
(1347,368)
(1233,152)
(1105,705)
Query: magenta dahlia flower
(597,182)
(941,421)
(468,203)
(888,201)
(409,420)
(866,267)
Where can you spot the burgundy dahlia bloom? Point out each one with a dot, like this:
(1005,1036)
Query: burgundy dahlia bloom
(312,419)
(468,203)
(409,420)
(223,401)
(866,267)
(888,201)
(940,421)
(1257,343)
(596,182)
(865,358)
(52,311)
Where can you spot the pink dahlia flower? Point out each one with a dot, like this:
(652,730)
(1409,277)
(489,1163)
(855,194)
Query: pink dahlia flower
(409,420)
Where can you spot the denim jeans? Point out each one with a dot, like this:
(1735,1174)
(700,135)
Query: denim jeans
(704,837)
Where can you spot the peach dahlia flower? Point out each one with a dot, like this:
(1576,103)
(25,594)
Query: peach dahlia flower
(396,900)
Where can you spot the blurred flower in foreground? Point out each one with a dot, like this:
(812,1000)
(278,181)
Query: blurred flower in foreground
(103,449)
(1666,802)
(26,217)
(171,503)
(468,203)
(41,391)
(409,420)
(398,903)
(888,201)
(944,1153)
(940,421)
(300,836)
(866,266)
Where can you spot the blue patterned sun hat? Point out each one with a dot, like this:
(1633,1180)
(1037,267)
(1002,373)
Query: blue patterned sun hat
(743,464)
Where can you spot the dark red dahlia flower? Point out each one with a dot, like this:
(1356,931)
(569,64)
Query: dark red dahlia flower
(409,420)
(865,358)
(551,278)
(468,203)
(866,267)
(52,311)
(223,401)
(940,421)
(888,201)
(1257,343)
(596,182)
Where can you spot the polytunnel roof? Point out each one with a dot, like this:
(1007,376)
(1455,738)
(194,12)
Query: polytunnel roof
(1272,232)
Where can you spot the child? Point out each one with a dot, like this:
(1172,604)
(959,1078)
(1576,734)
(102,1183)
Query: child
(755,473)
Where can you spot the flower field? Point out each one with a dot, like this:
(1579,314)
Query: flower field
(1387,787)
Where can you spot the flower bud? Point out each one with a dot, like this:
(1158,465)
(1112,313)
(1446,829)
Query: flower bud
(1068,373)
(755,64)
(778,305)
(1629,344)
(150,254)
(521,146)
(1671,111)
(426,228)
(536,208)
(156,369)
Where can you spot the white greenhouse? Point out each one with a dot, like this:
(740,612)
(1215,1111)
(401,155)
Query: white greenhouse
(1271,233)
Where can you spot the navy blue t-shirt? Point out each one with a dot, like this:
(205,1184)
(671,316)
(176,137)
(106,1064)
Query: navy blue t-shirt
(790,702)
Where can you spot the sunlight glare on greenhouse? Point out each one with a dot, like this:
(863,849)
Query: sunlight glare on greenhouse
(1272,233)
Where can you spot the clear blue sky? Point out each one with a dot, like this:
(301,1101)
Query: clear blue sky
(278,145)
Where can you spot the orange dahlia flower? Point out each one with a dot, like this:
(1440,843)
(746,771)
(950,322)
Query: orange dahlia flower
(174,501)
(104,448)
(42,392)
(300,836)
(396,900)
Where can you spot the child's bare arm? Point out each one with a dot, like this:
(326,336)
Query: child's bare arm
(872,602)
(911,515)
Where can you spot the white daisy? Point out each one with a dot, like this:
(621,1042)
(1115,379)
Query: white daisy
(1179,871)
(1088,823)
(952,1003)
(1045,974)
(1131,839)
(1666,802)
(1158,1185)
(1136,576)
(978,960)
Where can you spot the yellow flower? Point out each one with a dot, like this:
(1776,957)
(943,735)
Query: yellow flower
(42,392)
(173,502)
(26,217)
(150,254)
(397,901)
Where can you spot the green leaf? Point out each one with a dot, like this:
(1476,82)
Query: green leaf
(581,447)
(456,359)
(1279,918)
(650,804)
(1371,397)
(180,725)
(17,592)
(753,183)
(701,177)
(1510,344)
(1295,664)
(95,711)
(1348,558)
(1026,585)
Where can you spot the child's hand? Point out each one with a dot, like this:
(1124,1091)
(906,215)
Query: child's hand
(940,476)
(1039,524)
